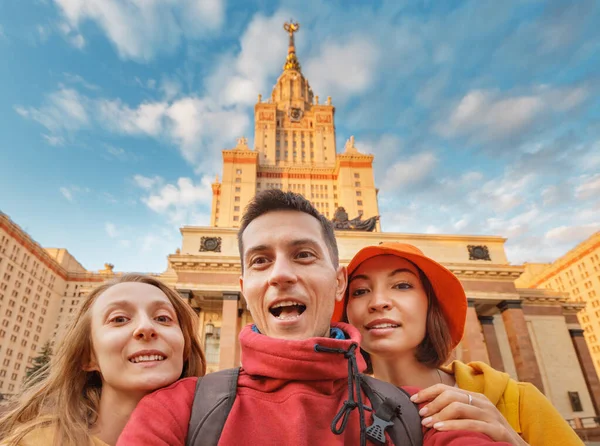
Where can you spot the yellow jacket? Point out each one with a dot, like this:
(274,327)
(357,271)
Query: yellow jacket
(526,409)
(44,436)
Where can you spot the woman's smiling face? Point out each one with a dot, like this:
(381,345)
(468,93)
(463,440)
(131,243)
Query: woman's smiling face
(137,341)
(388,304)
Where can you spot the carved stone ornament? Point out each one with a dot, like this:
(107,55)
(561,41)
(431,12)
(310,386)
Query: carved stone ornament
(478,252)
(210,244)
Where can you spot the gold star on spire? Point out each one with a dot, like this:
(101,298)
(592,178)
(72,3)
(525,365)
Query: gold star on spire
(291,62)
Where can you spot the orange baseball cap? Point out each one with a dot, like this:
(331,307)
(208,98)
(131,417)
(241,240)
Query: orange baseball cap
(448,289)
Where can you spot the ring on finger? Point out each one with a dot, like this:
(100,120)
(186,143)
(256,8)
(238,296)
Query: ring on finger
(470,399)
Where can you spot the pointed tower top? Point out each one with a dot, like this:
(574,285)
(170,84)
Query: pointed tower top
(291,62)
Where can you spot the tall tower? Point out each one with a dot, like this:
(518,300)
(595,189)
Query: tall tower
(295,149)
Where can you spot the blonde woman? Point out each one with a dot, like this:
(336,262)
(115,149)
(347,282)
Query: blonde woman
(132,335)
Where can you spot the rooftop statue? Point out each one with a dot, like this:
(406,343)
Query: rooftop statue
(341,221)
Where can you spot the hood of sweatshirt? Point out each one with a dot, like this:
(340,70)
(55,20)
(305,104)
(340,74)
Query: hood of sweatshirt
(297,360)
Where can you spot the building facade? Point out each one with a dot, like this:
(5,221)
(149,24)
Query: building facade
(295,150)
(39,290)
(577,274)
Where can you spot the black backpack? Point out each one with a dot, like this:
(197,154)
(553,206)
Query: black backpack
(216,392)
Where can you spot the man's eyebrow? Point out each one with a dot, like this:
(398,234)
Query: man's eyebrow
(303,241)
(253,249)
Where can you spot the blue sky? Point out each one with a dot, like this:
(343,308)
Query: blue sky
(483,115)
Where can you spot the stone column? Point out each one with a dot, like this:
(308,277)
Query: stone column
(473,344)
(520,343)
(587,366)
(229,331)
(491,342)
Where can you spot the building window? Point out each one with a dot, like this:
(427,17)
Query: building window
(357,184)
(212,346)
(356,175)
(237,199)
(358,193)
(236,208)
(238,180)
(359,202)
(238,189)
(236,218)
(238,171)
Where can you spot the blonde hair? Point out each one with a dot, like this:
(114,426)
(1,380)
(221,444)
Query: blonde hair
(67,399)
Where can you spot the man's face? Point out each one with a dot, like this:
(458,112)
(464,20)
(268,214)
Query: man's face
(289,282)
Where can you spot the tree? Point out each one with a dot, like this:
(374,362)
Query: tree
(33,374)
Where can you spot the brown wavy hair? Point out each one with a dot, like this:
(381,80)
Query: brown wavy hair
(65,396)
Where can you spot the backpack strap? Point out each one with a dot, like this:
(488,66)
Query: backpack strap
(392,407)
(213,400)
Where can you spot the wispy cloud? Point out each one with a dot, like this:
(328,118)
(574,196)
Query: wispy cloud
(487,115)
(140,30)
(63,111)
(71,192)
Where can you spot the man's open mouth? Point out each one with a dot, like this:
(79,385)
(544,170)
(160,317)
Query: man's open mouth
(287,309)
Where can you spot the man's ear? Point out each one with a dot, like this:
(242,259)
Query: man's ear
(342,282)
(242,284)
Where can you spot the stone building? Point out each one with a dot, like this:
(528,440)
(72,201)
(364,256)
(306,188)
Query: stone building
(577,274)
(39,289)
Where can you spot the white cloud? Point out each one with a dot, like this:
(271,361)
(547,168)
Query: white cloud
(182,203)
(111,230)
(146,119)
(488,116)
(71,192)
(409,172)
(589,188)
(66,193)
(238,79)
(63,110)
(571,234)
(140,29)
(169,87)
(77,79)
(54,140)
(344,69)
(147,182)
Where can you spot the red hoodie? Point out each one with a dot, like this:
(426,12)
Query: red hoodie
(288,394)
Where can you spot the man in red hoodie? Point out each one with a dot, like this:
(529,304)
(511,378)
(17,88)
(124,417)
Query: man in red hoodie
(297,383)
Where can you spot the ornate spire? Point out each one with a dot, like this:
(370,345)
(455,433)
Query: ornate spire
(291,62)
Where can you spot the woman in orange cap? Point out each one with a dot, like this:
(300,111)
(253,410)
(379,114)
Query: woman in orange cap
(411,313)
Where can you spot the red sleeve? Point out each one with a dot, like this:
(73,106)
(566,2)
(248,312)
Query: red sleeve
(458,438)
(161,418)
(431,437)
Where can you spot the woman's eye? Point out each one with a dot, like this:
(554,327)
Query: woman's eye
(164,319)
(403,286)
(359,292)
(119,319)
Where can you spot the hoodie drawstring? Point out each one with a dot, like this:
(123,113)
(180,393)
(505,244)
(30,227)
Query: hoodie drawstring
(354,389)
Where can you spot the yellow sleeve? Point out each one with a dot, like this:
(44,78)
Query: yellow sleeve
(541,423)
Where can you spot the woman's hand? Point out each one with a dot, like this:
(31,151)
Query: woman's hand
(451,408)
